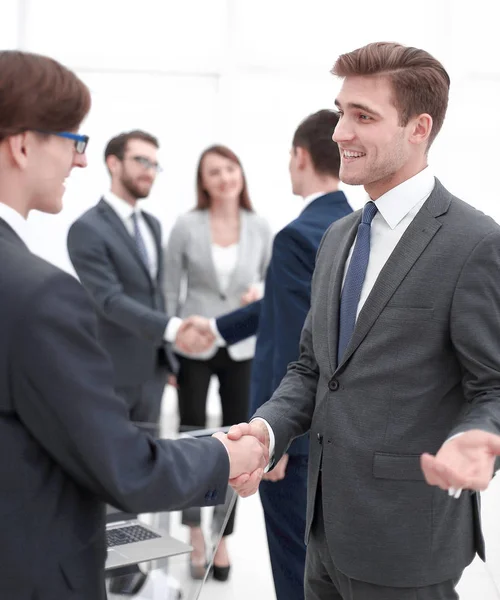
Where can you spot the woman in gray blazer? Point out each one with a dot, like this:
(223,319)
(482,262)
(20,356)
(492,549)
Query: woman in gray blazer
(215,261)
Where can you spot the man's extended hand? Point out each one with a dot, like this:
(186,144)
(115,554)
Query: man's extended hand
(279,471)
(194,335)
(464,462)
(247,459)
(246,486)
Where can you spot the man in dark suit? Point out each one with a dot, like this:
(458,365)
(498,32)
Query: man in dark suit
(278,320)
(116,250)
(67,442)
(399,353)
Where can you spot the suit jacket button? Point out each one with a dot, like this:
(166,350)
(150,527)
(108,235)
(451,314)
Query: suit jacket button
(333,385)
(320,438)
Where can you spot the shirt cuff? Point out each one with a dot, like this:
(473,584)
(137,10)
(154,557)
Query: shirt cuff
(219,340)
(173,326)
(271,441)
(454,436)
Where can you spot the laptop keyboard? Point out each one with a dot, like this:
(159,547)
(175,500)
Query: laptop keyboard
(128,535)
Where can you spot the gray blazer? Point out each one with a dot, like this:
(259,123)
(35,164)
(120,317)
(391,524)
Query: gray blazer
(188,261)
(422,365)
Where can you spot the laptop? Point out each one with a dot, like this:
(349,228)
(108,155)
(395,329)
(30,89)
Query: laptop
(131,541)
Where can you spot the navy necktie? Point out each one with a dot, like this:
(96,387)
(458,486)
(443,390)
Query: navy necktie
(354,279)
(139,240)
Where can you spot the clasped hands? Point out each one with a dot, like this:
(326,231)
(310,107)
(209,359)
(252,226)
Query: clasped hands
(248,448)
(195,335)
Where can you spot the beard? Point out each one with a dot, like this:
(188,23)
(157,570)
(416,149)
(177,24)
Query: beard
(136,191)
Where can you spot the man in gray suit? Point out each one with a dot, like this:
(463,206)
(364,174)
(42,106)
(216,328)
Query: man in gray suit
(116,250)
(399,354)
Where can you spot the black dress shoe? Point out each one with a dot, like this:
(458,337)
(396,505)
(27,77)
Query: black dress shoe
(221,573)
(128,584)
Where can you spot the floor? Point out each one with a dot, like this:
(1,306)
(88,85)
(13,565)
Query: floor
(251,575)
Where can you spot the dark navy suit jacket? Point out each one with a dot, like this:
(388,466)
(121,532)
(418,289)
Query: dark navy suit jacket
(278,318)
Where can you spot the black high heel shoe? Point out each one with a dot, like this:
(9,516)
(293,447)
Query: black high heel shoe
(221,573)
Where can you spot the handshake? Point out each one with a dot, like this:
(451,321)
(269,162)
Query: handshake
(248,447)
(195,335)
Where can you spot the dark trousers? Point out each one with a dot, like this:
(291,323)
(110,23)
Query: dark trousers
(144,400)
(324,581)
(234,386)
(284,503)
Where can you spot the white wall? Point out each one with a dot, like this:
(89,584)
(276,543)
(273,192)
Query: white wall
(244,73)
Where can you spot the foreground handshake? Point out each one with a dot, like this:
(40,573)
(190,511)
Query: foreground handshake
(244,442)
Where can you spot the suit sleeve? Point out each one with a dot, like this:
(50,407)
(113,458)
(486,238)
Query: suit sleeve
(63,395)
(291,297)
(174,259)
(475,334)
(240,323)
(98,276)
(266,257)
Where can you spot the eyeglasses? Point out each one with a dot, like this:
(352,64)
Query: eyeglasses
(81,141)
(146,163)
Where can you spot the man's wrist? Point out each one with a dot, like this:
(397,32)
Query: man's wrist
(173,326)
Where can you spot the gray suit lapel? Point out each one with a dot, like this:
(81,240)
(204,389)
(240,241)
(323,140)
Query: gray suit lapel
(118,226)
(414,241)
(207,254)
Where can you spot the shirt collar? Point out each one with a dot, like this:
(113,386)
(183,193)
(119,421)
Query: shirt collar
(122,208)
(395,204)
(16,221)
(313,197)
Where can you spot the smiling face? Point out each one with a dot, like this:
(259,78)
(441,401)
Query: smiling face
(376,150)
(50,163)
(221,177)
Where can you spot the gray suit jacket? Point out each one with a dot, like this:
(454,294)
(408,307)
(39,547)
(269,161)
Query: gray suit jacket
(423,364)
(188,259)
(129,303)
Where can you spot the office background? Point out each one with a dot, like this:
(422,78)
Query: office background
(244,73)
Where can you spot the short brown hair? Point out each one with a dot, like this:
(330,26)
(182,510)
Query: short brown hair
(315,135)
(203,199)
(420,83)
(117,145)
(38,93)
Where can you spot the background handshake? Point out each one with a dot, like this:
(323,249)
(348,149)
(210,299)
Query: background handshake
(196,335)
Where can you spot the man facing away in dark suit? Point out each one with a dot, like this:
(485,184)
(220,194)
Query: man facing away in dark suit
(116,250)
(278,320)
(398,379)
(67,442)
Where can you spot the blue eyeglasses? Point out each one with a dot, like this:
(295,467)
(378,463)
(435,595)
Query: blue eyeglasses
(81,141)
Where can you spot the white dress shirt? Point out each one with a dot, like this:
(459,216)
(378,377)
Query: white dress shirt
(124,210)
(16,221)
(396,210)
(224,259)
